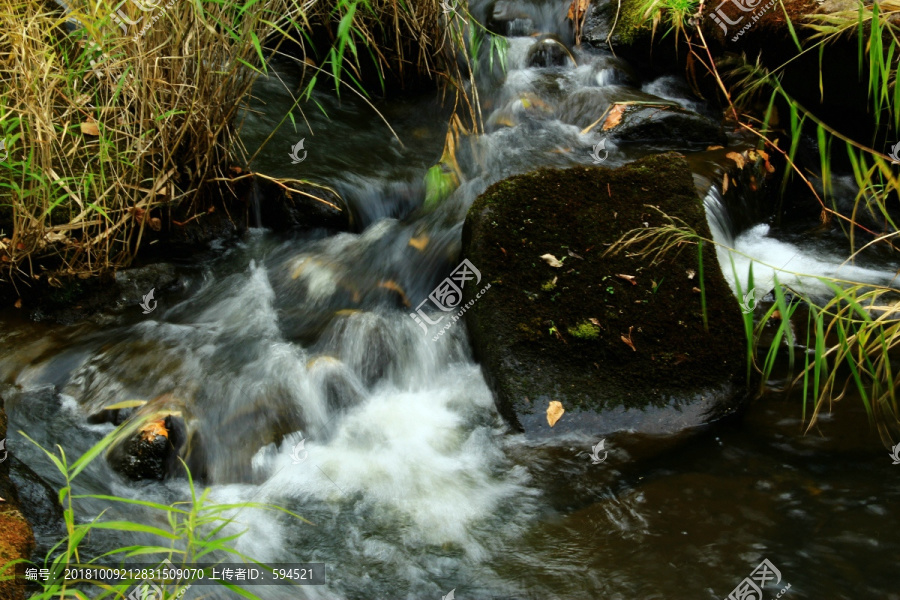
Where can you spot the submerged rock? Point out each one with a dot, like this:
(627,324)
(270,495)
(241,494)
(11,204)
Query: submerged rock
(549,51)
(667,124)
(619,341)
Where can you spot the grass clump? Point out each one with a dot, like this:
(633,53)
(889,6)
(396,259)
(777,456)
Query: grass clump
(189,531)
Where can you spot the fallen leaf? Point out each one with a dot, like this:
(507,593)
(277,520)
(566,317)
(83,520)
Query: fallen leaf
(690,273)
(419,243)
(615,116)
(695,289)
(90,128)
(155,224)
(594,321)
(713,148)
(573,255)
(628,340)
(577,9)
(2,499)
(552,260)
(737,158)
(18,303)
(630,278)
(725,183)
(154,429)
(554,411)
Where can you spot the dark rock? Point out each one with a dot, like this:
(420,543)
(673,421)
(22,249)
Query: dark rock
(38,501)
(308,207)
(549,51)
(544,333)
(150,452)
(667,125)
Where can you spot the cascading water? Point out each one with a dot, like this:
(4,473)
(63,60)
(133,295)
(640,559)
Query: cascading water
(409,476)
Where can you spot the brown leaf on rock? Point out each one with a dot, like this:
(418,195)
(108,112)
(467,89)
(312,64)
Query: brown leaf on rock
(615,116)
(153,429)
(737,158)
(725,183)
(555,410)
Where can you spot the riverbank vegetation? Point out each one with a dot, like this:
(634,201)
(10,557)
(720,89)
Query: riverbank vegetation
(122,121)
(197,530)
(850,341)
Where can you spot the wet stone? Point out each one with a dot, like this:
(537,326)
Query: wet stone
(618,340)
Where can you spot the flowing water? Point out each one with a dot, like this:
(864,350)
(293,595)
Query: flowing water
(411,481)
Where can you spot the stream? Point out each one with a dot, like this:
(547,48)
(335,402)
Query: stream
(412,483)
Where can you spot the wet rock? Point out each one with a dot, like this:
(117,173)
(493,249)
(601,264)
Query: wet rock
(619,341)
(16,535)
(549,51)
(39,501)
(150,448)
(133,284)
(306,207)
(510,18)
(667,125)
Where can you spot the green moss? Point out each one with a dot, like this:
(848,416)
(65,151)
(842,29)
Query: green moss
(585,331)
(549,286)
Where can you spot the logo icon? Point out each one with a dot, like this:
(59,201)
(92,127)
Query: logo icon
(748,304)
(4,154)
(449,596)
(895,453)
(895,154)
(595,155)
(3,449)
(294,150)
(595,452)
(752,587)
(146,303)
(299,450)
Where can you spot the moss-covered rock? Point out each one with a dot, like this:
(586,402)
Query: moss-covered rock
(618,340)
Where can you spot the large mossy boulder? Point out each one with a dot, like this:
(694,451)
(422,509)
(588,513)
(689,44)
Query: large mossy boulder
(618,340)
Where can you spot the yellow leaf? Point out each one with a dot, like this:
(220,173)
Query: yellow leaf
(714,147)
(725,183)
(90,128)
(419,243)
(554,411)
(577,9)
(390,285)
(738,158)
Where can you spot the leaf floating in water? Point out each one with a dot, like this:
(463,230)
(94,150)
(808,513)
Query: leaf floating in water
(552,260)
(554,411)
(737,158)
(419,243)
